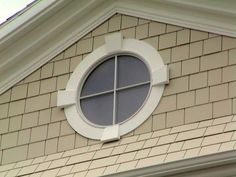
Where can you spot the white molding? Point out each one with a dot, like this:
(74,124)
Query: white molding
(66,98)
(73,111)
(161,76)
(168,12)
(69,20)
(16,24)
(110,133)
(221,164)
(113,42)
(206,5)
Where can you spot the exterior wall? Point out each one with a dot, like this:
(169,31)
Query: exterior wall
(195,115)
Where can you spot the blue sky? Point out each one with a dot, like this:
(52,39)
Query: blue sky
(10,7)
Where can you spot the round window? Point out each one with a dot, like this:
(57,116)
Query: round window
(115,90)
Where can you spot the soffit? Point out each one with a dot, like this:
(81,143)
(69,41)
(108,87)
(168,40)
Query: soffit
(46,29)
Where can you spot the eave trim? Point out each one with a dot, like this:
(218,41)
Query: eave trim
(27,48)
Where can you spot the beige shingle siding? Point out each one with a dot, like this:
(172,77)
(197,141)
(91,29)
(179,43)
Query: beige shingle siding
(194,115)
(161,146)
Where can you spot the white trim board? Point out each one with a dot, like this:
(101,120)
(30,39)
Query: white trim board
(221,164)
(32,43)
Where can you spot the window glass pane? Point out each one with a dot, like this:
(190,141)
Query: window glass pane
(129,101)
(101,79)
(98,109)
(131,71)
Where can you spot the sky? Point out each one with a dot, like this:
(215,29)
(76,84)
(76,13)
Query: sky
(10,7)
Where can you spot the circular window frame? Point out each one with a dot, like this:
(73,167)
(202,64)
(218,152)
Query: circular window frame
(114,45)
(80,86)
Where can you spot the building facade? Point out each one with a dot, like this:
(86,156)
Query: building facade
(191,132)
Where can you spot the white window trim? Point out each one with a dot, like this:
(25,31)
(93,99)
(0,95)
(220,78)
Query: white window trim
(114,44)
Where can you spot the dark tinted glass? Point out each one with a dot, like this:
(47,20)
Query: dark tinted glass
(98,109)
(129,101)
(131,71)
(101,79)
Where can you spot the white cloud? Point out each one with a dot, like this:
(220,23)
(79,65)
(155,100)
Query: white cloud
(10,7)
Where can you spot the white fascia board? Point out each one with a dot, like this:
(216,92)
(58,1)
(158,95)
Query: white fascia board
(28,19)
(26,47)
(189,16)
(40,45)
(222,164)
(219,6)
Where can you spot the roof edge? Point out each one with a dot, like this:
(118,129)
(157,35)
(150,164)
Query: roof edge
(189,15)
(28,17)
(28,47)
